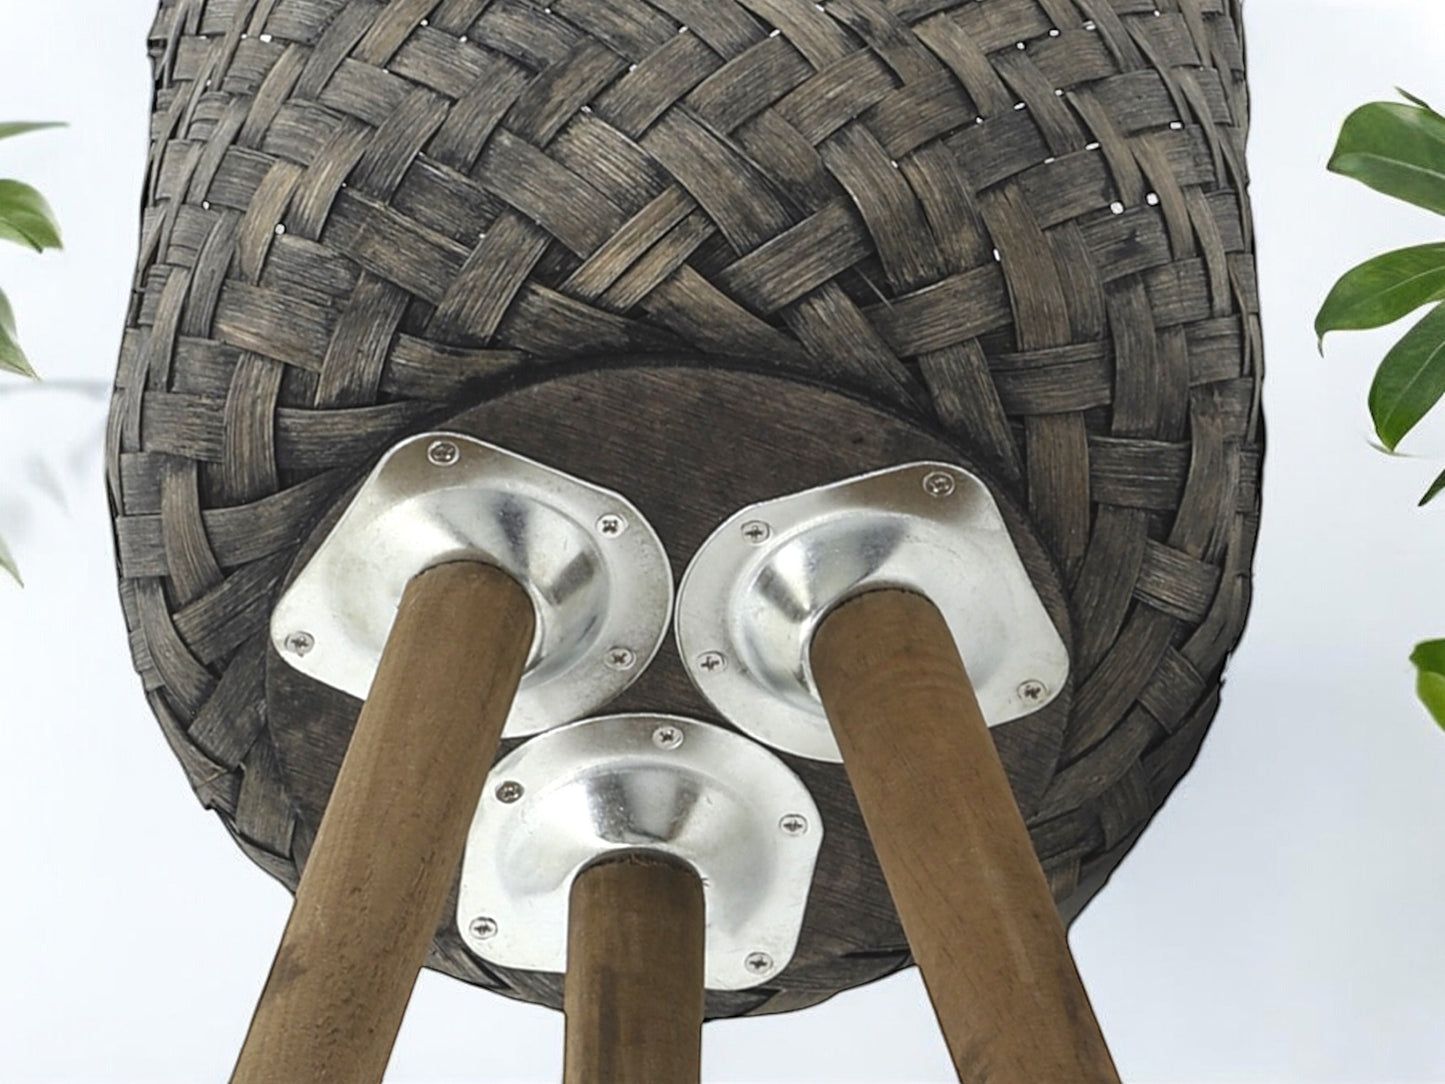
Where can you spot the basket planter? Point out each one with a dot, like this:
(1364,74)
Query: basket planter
(705,254)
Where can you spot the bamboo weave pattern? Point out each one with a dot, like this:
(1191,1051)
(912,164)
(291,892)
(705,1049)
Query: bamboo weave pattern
(1022,220)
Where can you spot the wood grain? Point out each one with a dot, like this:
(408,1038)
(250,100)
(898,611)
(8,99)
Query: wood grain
(388,848)
(972,896)
(634,988)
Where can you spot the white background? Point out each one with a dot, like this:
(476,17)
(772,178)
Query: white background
(1281,921)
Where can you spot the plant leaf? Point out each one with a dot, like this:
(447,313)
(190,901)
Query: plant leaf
(12,358)
(1395,149)
(1382,290)
(20,127)
(1434,491)
(1410,380)
(26,217)
(7,563)
(1429,660)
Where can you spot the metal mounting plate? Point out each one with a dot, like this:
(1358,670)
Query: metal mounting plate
(759,586)
(597,573)
(713,798)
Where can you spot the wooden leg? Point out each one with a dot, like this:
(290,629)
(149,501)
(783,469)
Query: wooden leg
(968,887)
(634,989)
(392,837)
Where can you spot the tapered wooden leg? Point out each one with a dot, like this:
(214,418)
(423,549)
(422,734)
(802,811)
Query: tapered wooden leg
(634,988)
(392,837)
(968,887)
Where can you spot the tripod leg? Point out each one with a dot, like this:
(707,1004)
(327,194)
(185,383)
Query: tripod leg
(954,850)
(634,989)
(392,837)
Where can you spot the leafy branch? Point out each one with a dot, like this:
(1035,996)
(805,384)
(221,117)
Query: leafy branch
(1398,148)
(25,219)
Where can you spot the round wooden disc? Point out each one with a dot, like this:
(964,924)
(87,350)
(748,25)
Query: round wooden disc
(689,446)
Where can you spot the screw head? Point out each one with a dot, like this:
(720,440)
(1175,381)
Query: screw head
(509,791)
(759,963)
(484,928)
(1033,691)
(443,453)
(938,483)
(621,658)
(611,524)
(712,662)
(793,824)
(300,643)
(667,737)
(757,532)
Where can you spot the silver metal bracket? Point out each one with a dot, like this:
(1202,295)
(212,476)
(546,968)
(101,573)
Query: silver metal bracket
(760,585)
(597,574)
(713,798)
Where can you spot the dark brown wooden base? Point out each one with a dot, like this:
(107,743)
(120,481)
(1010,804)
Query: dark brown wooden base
(690,446)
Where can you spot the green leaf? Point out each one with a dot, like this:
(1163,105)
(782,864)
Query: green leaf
(1429,660)
(1434,491)
(1412,97)
(20,127)
(7,563)
(26,217)
(1380,291)
(12,358)
(1410,380)
(1396,149)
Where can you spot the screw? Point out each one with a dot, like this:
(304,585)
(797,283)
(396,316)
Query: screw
(938,483)
(621,658)
(1033,691)
(667,737)
(299,643)
(794,824)
(509,791)
(757,532)
(443,453)
(759,963)
(612,525)
(713,661)
(484,928)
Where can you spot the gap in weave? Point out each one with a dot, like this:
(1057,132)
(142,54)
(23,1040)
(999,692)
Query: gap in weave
(860,282)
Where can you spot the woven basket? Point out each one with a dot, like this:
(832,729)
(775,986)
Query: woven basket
(1019,224)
